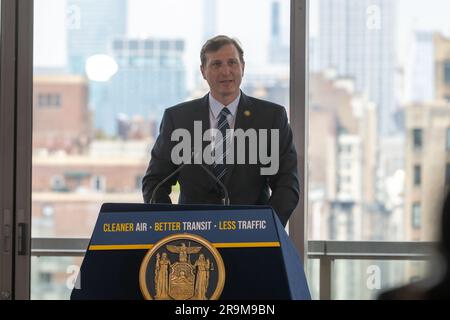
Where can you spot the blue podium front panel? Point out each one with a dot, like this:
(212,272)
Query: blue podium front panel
(258,264)
(223,228)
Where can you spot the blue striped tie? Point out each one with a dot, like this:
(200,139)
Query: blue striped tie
(220,168)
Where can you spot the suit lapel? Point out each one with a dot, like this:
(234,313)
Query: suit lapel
(201,114)
(245,117)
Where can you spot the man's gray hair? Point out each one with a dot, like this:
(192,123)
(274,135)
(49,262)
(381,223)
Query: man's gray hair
(214,44)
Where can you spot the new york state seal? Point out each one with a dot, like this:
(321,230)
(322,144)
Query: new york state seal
(182,267)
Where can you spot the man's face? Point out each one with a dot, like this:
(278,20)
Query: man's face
(223,70)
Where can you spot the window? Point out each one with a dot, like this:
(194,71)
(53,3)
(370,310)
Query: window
(152,63)
(417,175)
(416,215)
(355,50)
(57,183)
(343,148)
(115,108)
(448,139)
(447,72)
(179,45)
(139,182)
(45,278)
(42,100)
(56,100)
(417,138)
(99,183)
(47,211)
(447,174)
(148,45)
(133,45)
(164,45)
(49,100)
(118,45)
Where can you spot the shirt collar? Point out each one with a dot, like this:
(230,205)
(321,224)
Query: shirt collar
(216,106)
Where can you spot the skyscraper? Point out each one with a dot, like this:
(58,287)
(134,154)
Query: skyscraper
(91,27)
(429,68)
(278,52)
(427,167)
(356,38)
(427,153)
(151,78)
(210,19)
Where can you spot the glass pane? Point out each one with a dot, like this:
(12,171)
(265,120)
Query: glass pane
(417,138)
(378,118)
(105,70)
(312,271)
(53,278)
(103,74)
(447,175)
(366,279)
(448,139)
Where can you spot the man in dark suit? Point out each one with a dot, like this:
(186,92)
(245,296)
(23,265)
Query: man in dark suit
(226,107)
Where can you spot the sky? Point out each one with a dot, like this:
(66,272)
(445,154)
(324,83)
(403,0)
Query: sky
(157,18)
(248,20)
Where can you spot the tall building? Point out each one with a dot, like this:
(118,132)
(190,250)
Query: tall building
(91,27)
(61,118)
(429,68)
(442,67)
(136,128)
(427,167)
(341,153)
(269,83)
(342,158)
(210,19)
(427,154)
(391,189)
(421,73)
(151,78)
(278,51)
(356,38)
(77,185)
(68,191)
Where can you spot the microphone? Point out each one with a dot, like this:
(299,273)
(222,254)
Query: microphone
(225,199)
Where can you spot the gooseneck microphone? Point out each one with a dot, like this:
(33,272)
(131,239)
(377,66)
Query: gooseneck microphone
(225,199)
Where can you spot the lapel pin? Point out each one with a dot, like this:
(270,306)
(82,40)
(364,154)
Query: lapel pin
(247,113)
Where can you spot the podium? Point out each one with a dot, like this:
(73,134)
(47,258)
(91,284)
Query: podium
(256,260)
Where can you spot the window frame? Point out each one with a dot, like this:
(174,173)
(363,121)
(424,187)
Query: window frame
(16,81)
(298,111)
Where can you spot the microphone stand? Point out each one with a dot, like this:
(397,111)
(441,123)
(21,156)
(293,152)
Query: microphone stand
(225,200)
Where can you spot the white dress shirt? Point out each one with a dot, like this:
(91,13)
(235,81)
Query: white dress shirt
(215,107)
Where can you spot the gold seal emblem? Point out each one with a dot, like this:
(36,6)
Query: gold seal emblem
(182,267)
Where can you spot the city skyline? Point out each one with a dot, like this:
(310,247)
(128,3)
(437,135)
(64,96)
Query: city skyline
(50,24)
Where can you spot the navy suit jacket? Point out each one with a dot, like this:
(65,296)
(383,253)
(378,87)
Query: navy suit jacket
(245,184)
